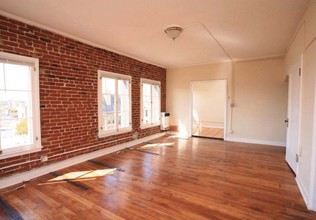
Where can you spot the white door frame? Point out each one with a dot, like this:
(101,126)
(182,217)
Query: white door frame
(295,70)
(290,119)
(191,105)
(312,195)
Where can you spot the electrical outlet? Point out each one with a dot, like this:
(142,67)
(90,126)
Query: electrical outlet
(44,158)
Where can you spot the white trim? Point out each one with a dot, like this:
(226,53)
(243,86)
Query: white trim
(18,152)
(294,71)
(191,110)
(225,109)
(32,23)
(114,132)
(302,190)
(151,83)
(33,63)
(24,60)
(300,107)
(116,76)
(273,56)
(294,36)
(254,59)
(312,197)
(211,126)
(255,141)
(26,176)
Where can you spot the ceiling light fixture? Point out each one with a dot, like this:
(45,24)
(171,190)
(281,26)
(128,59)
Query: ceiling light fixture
(173,32)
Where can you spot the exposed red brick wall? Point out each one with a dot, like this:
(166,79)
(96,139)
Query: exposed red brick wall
(68,91)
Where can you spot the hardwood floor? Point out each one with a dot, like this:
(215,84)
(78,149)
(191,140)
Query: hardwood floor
(210,132)
(168,178)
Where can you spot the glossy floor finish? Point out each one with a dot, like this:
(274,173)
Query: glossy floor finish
(210,132)
(169,178)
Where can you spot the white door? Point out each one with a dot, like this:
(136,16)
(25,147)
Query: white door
(294,101)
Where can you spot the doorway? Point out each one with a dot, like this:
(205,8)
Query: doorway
(292,121)
(208,107)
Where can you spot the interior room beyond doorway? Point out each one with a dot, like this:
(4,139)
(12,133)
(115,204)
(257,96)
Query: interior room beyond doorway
(208,108)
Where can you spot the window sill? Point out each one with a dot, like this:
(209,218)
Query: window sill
(111,133)
(149,126)
(14,153)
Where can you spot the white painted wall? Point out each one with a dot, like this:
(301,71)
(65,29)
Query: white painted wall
(260,98)
(178,90)
(209,103)
(305,43)
(260,101)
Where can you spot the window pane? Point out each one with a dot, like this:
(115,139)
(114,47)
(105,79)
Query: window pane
(108,103)
(123,104)
(16,77)
(109,121)
(123,87)
(146,103)
(15,119)
(124,120)
(15,105)
(108,86)
(15,132)
(18,84)
(155,104)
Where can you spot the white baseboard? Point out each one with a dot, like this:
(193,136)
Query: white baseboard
(255,141)
(26,176)
(302,190)
(213,126)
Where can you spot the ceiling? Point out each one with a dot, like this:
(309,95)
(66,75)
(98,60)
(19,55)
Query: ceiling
(247,29)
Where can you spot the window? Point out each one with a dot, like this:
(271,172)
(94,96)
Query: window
(19,105)
(114,103)
(150,103)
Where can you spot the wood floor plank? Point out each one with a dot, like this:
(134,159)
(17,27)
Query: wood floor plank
(190,179)
(210,132)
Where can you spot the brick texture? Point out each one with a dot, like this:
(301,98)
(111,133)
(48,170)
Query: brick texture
(68,92)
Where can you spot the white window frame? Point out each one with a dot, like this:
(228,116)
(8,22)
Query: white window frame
(116,76)
(151,82)
(37,145)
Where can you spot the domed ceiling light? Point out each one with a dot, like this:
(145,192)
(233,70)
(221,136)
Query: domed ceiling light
(173,31)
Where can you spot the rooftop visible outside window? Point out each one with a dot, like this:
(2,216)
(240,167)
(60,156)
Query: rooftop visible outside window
(150,102)
(114,103)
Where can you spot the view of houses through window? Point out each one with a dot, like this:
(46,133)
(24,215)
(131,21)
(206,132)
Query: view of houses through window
(109,103)
(116,103)
(15,105)
(150,102)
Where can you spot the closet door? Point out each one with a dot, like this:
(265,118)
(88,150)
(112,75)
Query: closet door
(293,123)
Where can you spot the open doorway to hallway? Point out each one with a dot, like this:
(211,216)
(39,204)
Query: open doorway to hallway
(208,108)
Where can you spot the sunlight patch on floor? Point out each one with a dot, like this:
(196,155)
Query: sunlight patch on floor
(80,176)
(63,181)
(158,145)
